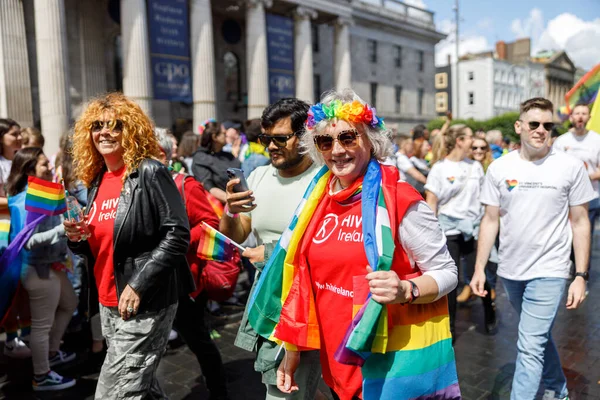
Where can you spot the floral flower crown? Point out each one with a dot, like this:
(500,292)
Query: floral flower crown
(354,112)
(202,127)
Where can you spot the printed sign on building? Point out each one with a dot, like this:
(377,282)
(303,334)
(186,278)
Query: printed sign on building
(280,47)
(168,22)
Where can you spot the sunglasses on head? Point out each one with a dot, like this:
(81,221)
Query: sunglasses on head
(479,148)
(533,125)
(113,126)
(279,140)
(347,139)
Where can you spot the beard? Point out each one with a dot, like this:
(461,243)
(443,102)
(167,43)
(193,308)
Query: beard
(289,162)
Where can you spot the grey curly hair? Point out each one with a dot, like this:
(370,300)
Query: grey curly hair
(380,139)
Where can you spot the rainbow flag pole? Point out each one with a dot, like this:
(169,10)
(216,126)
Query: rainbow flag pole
(215,246)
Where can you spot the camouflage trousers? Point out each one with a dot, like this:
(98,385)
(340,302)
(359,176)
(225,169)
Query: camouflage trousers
(135,348)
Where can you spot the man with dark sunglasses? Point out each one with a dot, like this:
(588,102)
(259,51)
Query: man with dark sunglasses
(539,196)
(265,211)
(584,145)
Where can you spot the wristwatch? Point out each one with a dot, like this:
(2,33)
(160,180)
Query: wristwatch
(414,292)
(584,275)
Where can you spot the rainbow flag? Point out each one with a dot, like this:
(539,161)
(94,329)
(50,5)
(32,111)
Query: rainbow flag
(594,122)
(215,246)
(404,351)
(584,91)
(44,197)
(4,229)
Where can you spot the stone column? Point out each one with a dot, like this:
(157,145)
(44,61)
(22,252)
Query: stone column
(53,72)
(303,54)
(92,49)
(15,86)
(137,72)
(341,58)
(203,62)
(256,55)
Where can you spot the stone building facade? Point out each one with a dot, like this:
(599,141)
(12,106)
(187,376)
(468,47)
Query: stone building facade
(57,54)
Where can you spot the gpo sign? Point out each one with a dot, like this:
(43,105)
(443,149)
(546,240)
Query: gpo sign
(172,71)
(282,83)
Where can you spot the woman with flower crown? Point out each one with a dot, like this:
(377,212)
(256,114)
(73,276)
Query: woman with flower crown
(362,271)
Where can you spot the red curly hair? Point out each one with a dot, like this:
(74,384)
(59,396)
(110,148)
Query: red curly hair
(139,141)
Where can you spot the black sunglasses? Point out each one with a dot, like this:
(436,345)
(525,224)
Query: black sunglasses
(347,140)
(113,126)
(533,125)
(479,148)
(279,140)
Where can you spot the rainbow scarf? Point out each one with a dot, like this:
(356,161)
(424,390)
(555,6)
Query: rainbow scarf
(405,352)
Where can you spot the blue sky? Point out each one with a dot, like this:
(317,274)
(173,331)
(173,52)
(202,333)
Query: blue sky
(573,25)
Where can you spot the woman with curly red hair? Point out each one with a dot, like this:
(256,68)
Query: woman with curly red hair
(135,235)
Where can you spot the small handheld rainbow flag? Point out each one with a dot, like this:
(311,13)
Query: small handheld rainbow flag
(215,246)
(44,197)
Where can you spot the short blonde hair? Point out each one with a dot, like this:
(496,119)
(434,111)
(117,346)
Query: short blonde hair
(380,139)
(139,141)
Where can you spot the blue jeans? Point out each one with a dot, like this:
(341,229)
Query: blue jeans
(537,303)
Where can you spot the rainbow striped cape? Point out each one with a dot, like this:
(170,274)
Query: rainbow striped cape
(405,352)
(27,209)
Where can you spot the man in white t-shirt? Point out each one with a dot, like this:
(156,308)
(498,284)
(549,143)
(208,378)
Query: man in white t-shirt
(266,210)
(584,145)
(540,197)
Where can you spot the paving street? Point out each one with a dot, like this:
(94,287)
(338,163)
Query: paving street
(485,363)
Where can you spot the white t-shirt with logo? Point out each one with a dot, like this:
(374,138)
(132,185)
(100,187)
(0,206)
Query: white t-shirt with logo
(534,199)
(586,148)
(457,185)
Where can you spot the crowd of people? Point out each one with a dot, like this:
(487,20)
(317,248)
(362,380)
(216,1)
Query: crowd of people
(360,244)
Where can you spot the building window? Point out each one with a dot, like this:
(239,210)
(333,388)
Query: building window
(317,87)
(372,45)
(441,80)
(441,102)
(471,98)
(420,96)
(398,99)
(373,94)
(315,37)
(471,75)
(398,57)
(232,76)
(421,60)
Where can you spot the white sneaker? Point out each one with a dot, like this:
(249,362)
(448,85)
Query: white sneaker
(173,335)
(16,348)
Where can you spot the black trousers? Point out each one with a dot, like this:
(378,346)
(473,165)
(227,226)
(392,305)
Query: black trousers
(459,249)
(336,397)
(465,250)
(190,324)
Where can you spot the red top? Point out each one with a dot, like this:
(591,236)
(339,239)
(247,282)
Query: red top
(337,264)
(198,210)
(101,221)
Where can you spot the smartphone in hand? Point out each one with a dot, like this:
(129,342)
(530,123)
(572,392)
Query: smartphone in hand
(236,173)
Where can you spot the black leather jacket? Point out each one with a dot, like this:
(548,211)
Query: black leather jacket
(151,238)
